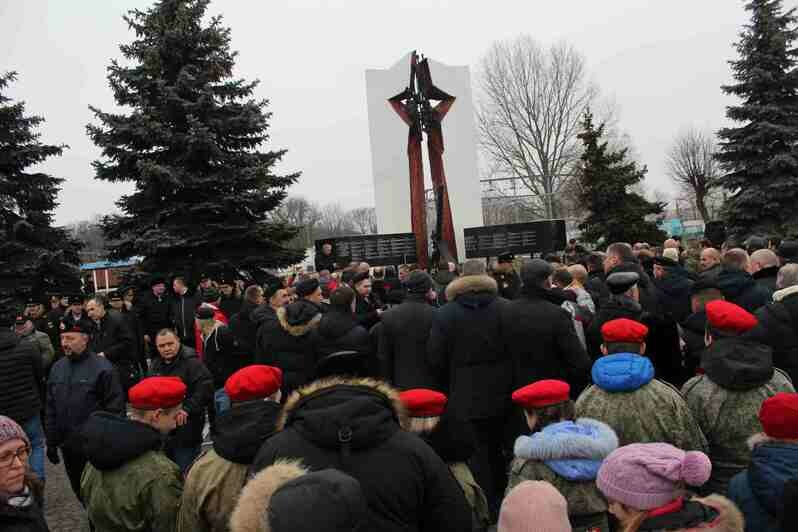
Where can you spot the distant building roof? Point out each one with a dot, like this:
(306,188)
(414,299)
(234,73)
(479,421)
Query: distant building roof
(103,264)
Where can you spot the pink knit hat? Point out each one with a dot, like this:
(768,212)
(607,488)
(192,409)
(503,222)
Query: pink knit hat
(534,506)
(649,475)
(10,430)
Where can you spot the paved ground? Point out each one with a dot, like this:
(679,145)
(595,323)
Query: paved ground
(64,512)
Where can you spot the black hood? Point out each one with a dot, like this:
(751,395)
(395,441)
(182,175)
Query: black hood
(330,416)
(767,273)
(737,364)
(676,283)
(453,438)
(734,282)
(618,307)
(246,310)
(241,431)
(112,441)
(336,323)
(476,300)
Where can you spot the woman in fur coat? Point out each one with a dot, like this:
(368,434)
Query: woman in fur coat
(452,439)
(565,452)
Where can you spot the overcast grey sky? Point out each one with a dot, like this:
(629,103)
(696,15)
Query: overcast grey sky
(663,62)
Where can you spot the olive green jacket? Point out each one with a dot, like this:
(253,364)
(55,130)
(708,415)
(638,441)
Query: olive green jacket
(142,495)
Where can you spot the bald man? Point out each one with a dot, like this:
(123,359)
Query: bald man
(709,264)
(765,268)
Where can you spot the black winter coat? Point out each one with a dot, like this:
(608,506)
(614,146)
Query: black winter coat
(541,338)
(21,378)
(114,339)
(338,331)
(154,313)
(244,328)
(354,426)
(693,331)
(231,306)
(181,310)
(402,344)
(23,519)
(260,316)
(615,308)
(741,289)
(366,311)
(199,394)
(466,349)
(673,292)
(597,288)
(78,387)
(778,328)
(291,347)
(223,355)
(767,278)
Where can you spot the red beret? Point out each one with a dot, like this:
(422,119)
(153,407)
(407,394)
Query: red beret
(157,392)
(725,316)
(625,331)
(542,393)
(253,382)
(423,403)
(779,416)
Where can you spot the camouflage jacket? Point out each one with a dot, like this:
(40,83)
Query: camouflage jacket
(728,418)
(210,494)
(639,408)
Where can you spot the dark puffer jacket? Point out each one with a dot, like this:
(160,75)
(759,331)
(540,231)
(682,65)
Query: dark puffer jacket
(673,291)
(21,378)
(759,490)
(288,343)
(244,328)
(741,289)
(403,344)
(778,328)
(199,383)
(77,387)
(354,425)
(339,331)
(467,349)
(28,516)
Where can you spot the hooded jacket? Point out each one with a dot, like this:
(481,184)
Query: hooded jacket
(759,490)
(710,514)
(740,288)
(288,344)
(639,408)
(354,425)
(778,328)
(725,401)
(673,291)
(215,479)
(767,278)
(692,331)
(199,383)
(568,455)
(244,328)
(467,349)
(402,344)
(128,483)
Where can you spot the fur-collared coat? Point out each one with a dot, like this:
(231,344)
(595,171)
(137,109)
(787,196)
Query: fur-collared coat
(290,348)
(354,425)
(467,349)
(251,511)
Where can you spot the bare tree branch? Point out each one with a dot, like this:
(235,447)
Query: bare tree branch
(693,168)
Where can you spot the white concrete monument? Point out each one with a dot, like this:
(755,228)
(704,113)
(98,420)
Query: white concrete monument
(389,149)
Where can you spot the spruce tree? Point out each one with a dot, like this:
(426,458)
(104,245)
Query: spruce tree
(190,139)
(35,257)
(616,213)
(760,155)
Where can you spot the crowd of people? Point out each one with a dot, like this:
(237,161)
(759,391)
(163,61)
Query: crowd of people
(637,388)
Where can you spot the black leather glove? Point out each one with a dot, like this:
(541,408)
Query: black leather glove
(52,455)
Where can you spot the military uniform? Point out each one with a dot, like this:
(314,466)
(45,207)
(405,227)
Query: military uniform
(509,282)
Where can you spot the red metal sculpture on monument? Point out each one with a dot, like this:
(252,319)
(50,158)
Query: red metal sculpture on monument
(417,108)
